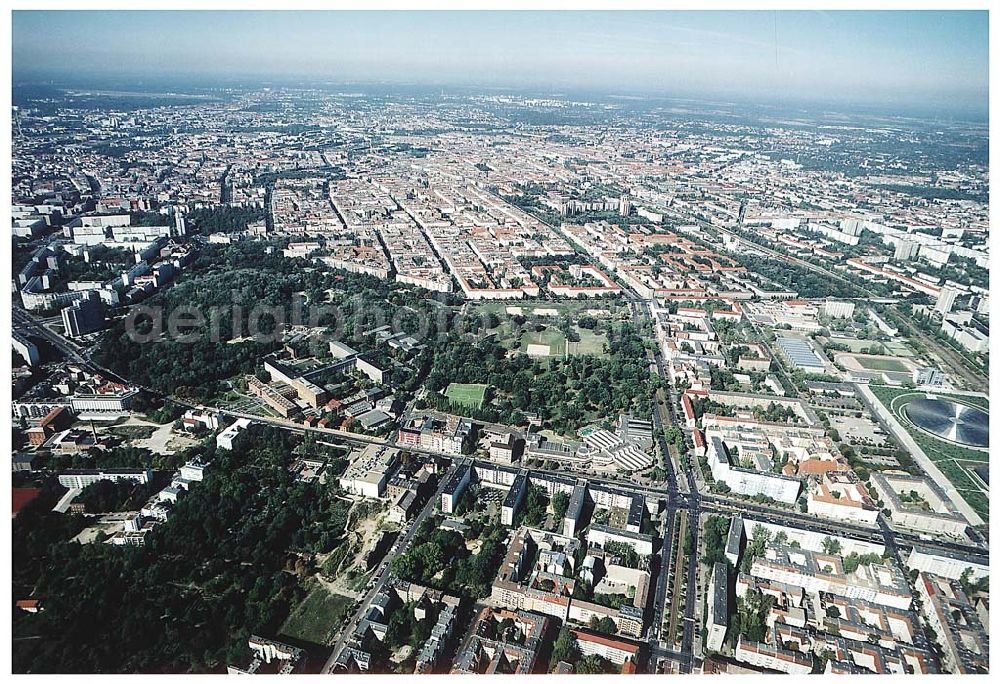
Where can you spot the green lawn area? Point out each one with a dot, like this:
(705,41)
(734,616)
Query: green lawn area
(589,344)
(897,349)
(891,348)
(317,617)
(881,364)
(981,402)
(853,344)
(466,394)
(506,333)
(951,459)
(550,337)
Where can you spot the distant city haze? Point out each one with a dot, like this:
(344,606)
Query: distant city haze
(931,60)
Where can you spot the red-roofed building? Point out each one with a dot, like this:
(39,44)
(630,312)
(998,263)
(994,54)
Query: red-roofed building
(58,418)
(29,605)
(733,314)
(616,650)
(699,442)
(818,466)
(689,417)
(691,312)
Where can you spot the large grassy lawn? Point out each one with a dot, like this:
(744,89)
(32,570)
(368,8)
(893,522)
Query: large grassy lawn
(589,344)
(550,337)
(951,459)
(317,617)
(518,338)
(897,349)
(853,344)
(892,348)
(466,394)
(871,363)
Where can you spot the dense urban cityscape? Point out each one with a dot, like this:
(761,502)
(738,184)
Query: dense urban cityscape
(325,378)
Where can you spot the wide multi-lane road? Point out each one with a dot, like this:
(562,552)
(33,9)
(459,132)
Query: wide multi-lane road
(690,503)
(25,322)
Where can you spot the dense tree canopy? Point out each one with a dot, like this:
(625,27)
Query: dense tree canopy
(229,286)
(564,393)
(226,564)
(438,558)
(716,534)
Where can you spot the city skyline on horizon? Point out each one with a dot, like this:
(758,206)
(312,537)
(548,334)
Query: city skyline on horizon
(932,60)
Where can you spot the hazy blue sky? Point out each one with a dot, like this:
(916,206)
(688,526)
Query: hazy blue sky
(929,58)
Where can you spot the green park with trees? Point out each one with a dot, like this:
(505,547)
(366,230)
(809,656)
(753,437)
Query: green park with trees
(231,561)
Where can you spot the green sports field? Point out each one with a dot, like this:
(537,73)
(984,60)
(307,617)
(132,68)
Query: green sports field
(317,618)
(466,394)
(874,363)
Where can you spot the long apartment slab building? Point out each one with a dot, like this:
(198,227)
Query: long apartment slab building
(882,584)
